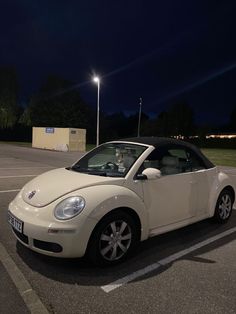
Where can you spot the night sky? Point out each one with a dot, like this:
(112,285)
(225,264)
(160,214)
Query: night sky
(163,51)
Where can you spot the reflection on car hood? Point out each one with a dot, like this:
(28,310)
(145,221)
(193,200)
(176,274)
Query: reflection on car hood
(51,185)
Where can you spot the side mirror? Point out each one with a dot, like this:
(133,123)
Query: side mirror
(152,173)
(149,174)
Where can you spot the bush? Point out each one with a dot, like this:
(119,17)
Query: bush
(214,142)
(18,133)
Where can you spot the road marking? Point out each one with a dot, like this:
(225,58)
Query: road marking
(29,296)
(35,167)
(120,282)
(9,191)
(21,176)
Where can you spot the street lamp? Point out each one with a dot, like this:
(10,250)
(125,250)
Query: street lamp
(96,79)
(139,116)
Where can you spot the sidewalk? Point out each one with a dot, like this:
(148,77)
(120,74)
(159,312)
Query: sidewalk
(16,294)
(10,299)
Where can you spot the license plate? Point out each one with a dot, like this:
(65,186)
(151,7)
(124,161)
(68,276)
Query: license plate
(15,223)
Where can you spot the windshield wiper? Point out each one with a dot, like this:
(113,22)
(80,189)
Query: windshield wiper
(97,173)
(75,167)
(87,171)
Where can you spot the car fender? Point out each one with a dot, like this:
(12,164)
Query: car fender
(102,199)
(222,181)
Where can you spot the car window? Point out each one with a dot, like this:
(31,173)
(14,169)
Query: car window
(173,160)
(104,156)
(180,153)
(111,159)
(163,159)
(182,159)
(196,162)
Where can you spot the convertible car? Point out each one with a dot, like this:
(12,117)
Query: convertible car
(118,194)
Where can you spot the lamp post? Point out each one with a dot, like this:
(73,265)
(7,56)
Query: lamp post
(139,116)
(96,79)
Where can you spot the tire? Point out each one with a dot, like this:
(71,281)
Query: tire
(224,206)
(113,239)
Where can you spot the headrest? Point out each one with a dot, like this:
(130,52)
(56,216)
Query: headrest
(170,161)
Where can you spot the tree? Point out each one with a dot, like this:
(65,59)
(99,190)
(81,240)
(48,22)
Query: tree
(164,124)
(113,126)
(118,125)
(8,97)
(149,127)
(132,127)
(233,120)
(25,118)
(59,104)
(181,119)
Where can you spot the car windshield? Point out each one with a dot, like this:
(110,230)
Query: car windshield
(110,159)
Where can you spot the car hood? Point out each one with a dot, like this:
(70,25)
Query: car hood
(51,185)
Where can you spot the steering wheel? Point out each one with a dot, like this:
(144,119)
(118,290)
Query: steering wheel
(110,166)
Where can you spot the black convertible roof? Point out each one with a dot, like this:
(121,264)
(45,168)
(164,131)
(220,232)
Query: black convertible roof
(157,141)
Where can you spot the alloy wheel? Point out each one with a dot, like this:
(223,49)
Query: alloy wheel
(225,206)
(115,240)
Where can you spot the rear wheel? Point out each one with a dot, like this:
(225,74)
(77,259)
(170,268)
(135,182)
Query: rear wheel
(113,239)
(224,206)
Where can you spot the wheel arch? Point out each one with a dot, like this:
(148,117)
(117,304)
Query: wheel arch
(116,198)
(222,215)
(131,212)
(126,210)
(222,182)
(231,189)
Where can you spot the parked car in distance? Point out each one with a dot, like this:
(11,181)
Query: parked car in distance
(118,194)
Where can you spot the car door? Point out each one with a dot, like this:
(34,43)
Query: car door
(172,198)
(202,179)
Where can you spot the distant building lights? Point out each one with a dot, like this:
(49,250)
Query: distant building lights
(229,136)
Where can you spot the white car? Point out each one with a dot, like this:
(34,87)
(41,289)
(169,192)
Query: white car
(118,194)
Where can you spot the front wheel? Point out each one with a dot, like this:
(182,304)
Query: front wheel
(224,206)
(113,239)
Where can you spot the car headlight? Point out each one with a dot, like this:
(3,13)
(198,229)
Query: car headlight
(69,208)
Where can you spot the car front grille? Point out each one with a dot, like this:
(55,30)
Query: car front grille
(48,246)
(42,245)
(21,236)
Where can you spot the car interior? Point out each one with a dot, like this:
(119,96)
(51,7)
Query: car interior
(173,161)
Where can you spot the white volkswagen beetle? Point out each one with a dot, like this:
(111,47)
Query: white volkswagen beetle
(118,194)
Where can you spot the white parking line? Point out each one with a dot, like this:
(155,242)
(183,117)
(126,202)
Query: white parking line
(19,168)
(22,176)
(29,296)
(120,282)
(9,191)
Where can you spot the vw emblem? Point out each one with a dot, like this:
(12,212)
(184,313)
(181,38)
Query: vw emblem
(31,195)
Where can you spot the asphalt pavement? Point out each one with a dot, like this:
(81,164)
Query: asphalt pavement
(10,298)
(202,279)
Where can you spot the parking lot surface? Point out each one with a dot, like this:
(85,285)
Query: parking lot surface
(198,276)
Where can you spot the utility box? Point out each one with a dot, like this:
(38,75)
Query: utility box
(60,139)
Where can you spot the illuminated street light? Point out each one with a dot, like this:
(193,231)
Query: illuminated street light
(96,79)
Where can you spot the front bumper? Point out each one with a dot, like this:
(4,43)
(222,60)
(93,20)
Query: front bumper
(45,234)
